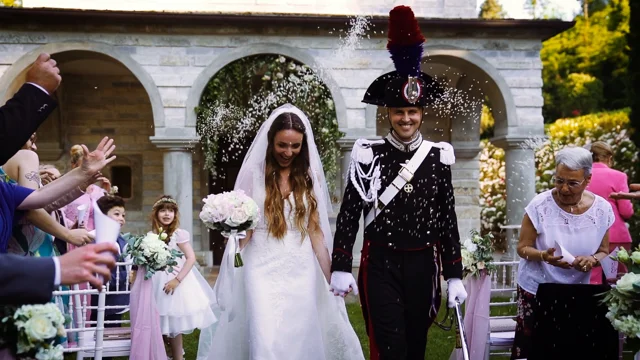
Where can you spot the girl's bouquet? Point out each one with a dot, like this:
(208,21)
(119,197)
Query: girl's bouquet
(32,331)
(623,300)
(477,254)
(232,213)
(152,252)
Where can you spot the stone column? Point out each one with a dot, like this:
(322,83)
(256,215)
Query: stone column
(178,176)
(465,174)
(520,173)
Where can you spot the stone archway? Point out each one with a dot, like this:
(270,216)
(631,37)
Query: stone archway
(17,70)
(100,96)
(260,49)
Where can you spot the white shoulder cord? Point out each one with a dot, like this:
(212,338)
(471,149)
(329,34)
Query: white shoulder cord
(363,154)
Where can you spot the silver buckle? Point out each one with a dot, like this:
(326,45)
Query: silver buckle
(404,167)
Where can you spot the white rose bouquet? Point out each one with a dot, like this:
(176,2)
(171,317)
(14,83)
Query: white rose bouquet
(232,213)
(152,252)
(623,300)
(33,331)
(477,254)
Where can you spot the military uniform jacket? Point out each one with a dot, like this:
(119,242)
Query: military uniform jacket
(417,220)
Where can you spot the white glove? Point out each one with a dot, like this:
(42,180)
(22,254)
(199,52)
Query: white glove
(456,289)
(342,283)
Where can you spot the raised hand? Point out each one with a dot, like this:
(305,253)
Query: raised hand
(44,73)
(633,194)
(94,161)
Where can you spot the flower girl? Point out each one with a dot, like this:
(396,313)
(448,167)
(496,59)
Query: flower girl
(184,297)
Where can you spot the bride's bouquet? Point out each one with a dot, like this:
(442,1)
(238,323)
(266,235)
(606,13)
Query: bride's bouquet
(232,213)
(152,252)
(477,254)
(32,331)
(623,300)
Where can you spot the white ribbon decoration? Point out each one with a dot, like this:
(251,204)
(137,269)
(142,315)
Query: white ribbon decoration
(226,286)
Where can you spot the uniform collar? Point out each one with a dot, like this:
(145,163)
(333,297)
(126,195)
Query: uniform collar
(402,145)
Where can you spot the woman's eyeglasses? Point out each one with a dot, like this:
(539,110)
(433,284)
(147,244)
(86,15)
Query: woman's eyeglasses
(572,184)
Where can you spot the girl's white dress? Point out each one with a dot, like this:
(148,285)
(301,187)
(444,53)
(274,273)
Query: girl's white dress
(189,307)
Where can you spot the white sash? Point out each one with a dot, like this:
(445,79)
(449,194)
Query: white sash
(404,176)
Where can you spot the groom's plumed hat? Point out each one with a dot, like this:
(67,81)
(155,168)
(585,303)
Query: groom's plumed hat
(407,85)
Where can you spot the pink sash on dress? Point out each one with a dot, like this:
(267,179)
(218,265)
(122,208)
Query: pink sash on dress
(146,336)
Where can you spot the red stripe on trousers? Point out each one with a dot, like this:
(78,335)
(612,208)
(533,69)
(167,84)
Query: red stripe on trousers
(374,354)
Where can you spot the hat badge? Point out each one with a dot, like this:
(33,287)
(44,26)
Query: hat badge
(412,89)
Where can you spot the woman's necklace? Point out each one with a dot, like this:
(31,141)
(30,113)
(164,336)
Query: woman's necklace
(576,205)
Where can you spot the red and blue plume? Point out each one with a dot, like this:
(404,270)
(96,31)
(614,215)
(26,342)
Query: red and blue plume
(405,41)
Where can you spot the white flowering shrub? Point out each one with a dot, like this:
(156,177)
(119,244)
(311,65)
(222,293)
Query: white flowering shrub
(241,96)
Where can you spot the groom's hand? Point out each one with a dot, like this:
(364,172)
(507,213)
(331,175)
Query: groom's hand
(342,283)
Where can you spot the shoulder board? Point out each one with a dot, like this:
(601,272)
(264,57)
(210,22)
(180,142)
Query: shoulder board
(447,155)
(362,151)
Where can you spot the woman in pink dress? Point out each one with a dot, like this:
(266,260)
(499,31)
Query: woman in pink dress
(93,192)
(605,181)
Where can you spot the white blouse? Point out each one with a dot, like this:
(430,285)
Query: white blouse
(571,235)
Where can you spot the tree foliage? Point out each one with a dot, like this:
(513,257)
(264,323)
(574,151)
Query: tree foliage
(10,3)
(595,47)
(491,9)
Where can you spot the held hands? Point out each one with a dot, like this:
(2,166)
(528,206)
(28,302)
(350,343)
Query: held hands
(94,161)
(455,290)
(547,256)
(342,283)
(44,73)
(171,286)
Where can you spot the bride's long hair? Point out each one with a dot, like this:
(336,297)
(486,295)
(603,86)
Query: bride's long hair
(300,181)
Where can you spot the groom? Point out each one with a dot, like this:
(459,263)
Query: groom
(403,186)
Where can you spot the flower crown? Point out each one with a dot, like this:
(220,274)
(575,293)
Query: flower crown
(165,200)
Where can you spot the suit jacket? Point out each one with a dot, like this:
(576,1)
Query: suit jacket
(26,280)
(604,181)
(20,117)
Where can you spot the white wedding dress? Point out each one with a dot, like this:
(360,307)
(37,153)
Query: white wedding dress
(283,309)
(278,305)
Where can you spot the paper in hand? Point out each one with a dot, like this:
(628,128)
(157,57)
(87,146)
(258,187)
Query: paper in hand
(81,211)
(566,256)
(610,266)
(107,229)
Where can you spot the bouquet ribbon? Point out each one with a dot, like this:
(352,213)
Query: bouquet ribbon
(234,260)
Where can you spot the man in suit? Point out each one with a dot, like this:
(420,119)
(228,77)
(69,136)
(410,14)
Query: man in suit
(26,280)
(29,107)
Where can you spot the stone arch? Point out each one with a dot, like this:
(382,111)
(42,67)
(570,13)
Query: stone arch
(225,59)
(53,48)
(495,86)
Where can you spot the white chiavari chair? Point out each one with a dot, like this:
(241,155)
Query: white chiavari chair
(503,294)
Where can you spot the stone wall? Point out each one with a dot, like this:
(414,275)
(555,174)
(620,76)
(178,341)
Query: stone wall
(172,69)
(423,8)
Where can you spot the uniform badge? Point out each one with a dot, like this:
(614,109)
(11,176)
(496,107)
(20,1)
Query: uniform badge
(412,89)
(408,188)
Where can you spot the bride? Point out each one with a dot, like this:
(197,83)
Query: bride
(278,305)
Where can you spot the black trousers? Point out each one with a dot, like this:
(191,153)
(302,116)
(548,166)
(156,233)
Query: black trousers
(400,297)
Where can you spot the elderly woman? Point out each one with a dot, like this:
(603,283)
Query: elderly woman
(564,234)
